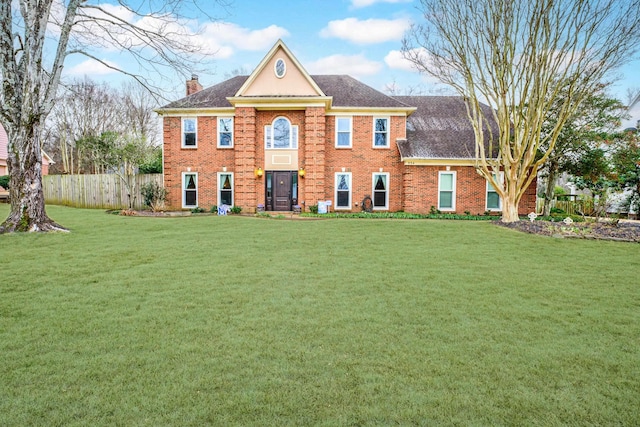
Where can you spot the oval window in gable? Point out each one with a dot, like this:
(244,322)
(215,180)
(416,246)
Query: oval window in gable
(280,68)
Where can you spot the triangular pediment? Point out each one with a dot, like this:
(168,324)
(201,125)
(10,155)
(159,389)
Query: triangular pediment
(279,74)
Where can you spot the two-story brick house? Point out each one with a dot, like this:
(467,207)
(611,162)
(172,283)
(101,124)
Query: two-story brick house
(281,137)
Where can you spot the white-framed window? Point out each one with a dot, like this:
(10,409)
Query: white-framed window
(189,132)
(343,190)
(381,132)
(189,189)
(494,202)
(225,188)
(343,132)
(280,68)
(380,190)
(281,135)
(225,132)
(447,191)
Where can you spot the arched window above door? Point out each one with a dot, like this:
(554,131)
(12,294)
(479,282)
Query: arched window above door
(281,135)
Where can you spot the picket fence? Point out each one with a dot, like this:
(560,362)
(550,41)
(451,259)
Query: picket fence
(104,191)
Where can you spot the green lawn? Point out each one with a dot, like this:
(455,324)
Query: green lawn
(256,322)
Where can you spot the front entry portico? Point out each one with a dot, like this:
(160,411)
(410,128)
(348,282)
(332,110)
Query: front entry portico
(281,191)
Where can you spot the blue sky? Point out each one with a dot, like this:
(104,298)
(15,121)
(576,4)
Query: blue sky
(361,38)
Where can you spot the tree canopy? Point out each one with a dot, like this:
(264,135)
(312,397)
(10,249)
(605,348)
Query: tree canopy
(519,57)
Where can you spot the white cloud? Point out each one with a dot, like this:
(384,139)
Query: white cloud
(353,65)
(368,31)
(228,35)
(396,61)
(91,67)
(364,3)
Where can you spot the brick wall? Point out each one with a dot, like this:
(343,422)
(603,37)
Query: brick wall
(411,188)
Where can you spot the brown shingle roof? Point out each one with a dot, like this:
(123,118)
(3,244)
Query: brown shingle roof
(345,90)
(439,128)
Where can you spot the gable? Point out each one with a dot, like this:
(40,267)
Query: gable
(264,80)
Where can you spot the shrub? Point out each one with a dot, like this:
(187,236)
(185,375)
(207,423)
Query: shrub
(313,209)
(236,210)
(214,209)
(4,182)
(197,209)
(154,195)
(556,211)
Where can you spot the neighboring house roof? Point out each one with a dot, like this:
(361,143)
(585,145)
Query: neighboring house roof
(345,91)
(439,128)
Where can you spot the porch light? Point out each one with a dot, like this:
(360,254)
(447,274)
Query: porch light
(258,172)
(301,172)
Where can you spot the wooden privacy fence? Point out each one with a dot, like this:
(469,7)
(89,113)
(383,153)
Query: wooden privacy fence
(105,191)
(571,207)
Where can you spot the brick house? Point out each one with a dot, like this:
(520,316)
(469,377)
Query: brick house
(281,137)
(4,155)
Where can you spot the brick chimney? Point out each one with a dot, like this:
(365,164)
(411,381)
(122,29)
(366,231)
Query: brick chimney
(193,85)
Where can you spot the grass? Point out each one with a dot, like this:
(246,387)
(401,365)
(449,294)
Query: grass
(249,321)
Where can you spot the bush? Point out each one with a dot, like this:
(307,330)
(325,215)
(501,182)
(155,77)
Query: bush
(154,195)
(556,211)
(4,182)
(236,210)
(197,210)
(214,209)
(313,209)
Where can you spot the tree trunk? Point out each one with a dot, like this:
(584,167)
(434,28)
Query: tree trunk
(25,185)
(549,191)
(510,209)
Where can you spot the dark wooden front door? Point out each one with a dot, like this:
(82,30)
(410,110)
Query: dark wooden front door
(281,190)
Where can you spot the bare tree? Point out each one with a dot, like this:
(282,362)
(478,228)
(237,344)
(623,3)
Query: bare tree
(153,34)
(518,56)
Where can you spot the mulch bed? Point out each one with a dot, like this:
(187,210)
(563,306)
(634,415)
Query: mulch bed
(623,231)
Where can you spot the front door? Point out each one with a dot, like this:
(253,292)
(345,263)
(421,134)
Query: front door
(282,190)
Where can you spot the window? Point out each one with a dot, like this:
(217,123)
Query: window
(343,190)
(281,135)
(225,188)
(280,68)
(343,132)
(380,132)
(189,190)
(189,132)
(447,191)
(493,199)
(380,190)
(225,132)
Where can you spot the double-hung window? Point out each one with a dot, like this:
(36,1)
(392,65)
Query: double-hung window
(447,191)
(343,132)
(225,188)
(494,203)
(225,132)
(189,132)
(343,190)
(381,190)
(189,190)
(380,132)
(281,135)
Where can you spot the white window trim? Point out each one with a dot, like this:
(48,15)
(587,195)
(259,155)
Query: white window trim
(275,68)
(373,191)
(335,192)
(350,118)
(182,190)
(232,131)
(486,195)
(373,142)
(453,195)
(233,190)
(293,135)
(182,132)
